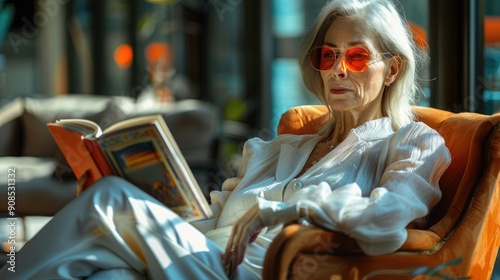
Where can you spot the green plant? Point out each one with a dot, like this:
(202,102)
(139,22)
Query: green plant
(6,16)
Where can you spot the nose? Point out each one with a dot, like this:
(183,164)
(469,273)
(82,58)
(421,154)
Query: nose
(339,68)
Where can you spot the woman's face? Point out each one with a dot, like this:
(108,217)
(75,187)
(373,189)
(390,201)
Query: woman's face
(347,90)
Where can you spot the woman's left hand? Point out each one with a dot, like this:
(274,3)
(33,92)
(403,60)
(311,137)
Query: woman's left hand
(245,231)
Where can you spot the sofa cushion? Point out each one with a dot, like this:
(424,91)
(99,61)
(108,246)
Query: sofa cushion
(37,192)
(38,141)
(10,128)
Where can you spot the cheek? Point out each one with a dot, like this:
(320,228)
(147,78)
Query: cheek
(371,82)
(324,79)
(324,76)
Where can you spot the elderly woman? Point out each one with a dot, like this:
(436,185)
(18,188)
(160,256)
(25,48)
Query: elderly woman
(371,172)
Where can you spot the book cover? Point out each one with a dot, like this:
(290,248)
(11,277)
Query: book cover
(142,151)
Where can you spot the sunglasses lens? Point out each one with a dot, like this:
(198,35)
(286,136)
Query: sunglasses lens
(322,58)
(357,59)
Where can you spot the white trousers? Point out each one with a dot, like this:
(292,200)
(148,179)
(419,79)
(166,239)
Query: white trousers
(113,230)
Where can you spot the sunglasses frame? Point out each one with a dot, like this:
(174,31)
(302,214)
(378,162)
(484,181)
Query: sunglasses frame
(345,63)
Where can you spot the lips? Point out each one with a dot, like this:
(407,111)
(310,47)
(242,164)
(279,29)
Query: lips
(339,90)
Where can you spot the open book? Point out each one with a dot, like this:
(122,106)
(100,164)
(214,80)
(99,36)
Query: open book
(141,150)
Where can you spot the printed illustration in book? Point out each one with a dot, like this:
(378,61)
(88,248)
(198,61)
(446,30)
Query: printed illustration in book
(141,150)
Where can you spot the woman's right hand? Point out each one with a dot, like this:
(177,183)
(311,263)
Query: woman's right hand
(82,183)
(244,232)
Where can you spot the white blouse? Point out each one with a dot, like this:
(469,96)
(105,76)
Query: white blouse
(371,187)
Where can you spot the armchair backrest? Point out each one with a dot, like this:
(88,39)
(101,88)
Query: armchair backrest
(466,135)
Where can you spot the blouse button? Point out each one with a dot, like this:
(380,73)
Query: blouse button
(296,185)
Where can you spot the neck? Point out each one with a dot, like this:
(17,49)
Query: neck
(345,121)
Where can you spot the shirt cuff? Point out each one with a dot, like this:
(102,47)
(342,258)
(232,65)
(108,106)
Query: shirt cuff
(275,212)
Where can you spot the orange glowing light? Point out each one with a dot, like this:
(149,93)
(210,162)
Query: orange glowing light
(491,30)
(123,56)
(156,51)
(419,34)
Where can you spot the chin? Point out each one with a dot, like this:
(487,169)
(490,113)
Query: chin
(340,106)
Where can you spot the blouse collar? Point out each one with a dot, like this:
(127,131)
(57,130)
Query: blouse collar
(374,130)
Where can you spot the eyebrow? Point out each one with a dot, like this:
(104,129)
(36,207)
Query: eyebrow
(350,44)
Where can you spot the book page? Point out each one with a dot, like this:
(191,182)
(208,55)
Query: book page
(133,123)
(86,128)
(146,157)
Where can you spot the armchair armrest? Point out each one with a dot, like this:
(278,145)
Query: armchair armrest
(295,239)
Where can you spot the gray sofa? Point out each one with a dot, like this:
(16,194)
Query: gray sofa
(43,180)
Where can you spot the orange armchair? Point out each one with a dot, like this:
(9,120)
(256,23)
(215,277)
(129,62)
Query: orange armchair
(465,224)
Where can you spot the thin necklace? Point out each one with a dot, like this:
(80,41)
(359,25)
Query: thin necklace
(316,150)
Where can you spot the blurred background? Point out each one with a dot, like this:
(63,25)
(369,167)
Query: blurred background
(239,55)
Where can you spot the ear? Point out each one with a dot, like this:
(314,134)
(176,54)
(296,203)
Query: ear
(395,65)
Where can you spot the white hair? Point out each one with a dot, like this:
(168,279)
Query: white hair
(394,36)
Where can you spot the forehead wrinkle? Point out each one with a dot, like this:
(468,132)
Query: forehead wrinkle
(335,39)
(347,32)
(349,44)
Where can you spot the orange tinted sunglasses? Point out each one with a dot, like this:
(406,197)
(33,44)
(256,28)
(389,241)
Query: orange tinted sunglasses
(355,59)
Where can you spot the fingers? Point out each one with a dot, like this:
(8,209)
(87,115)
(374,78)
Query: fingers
(244,232)
(229,252)
(238,245)
(235,249)
(229,265)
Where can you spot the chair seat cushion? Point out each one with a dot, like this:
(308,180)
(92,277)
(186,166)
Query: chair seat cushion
(37,191)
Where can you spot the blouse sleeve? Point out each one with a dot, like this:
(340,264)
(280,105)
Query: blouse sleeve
(408,189)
